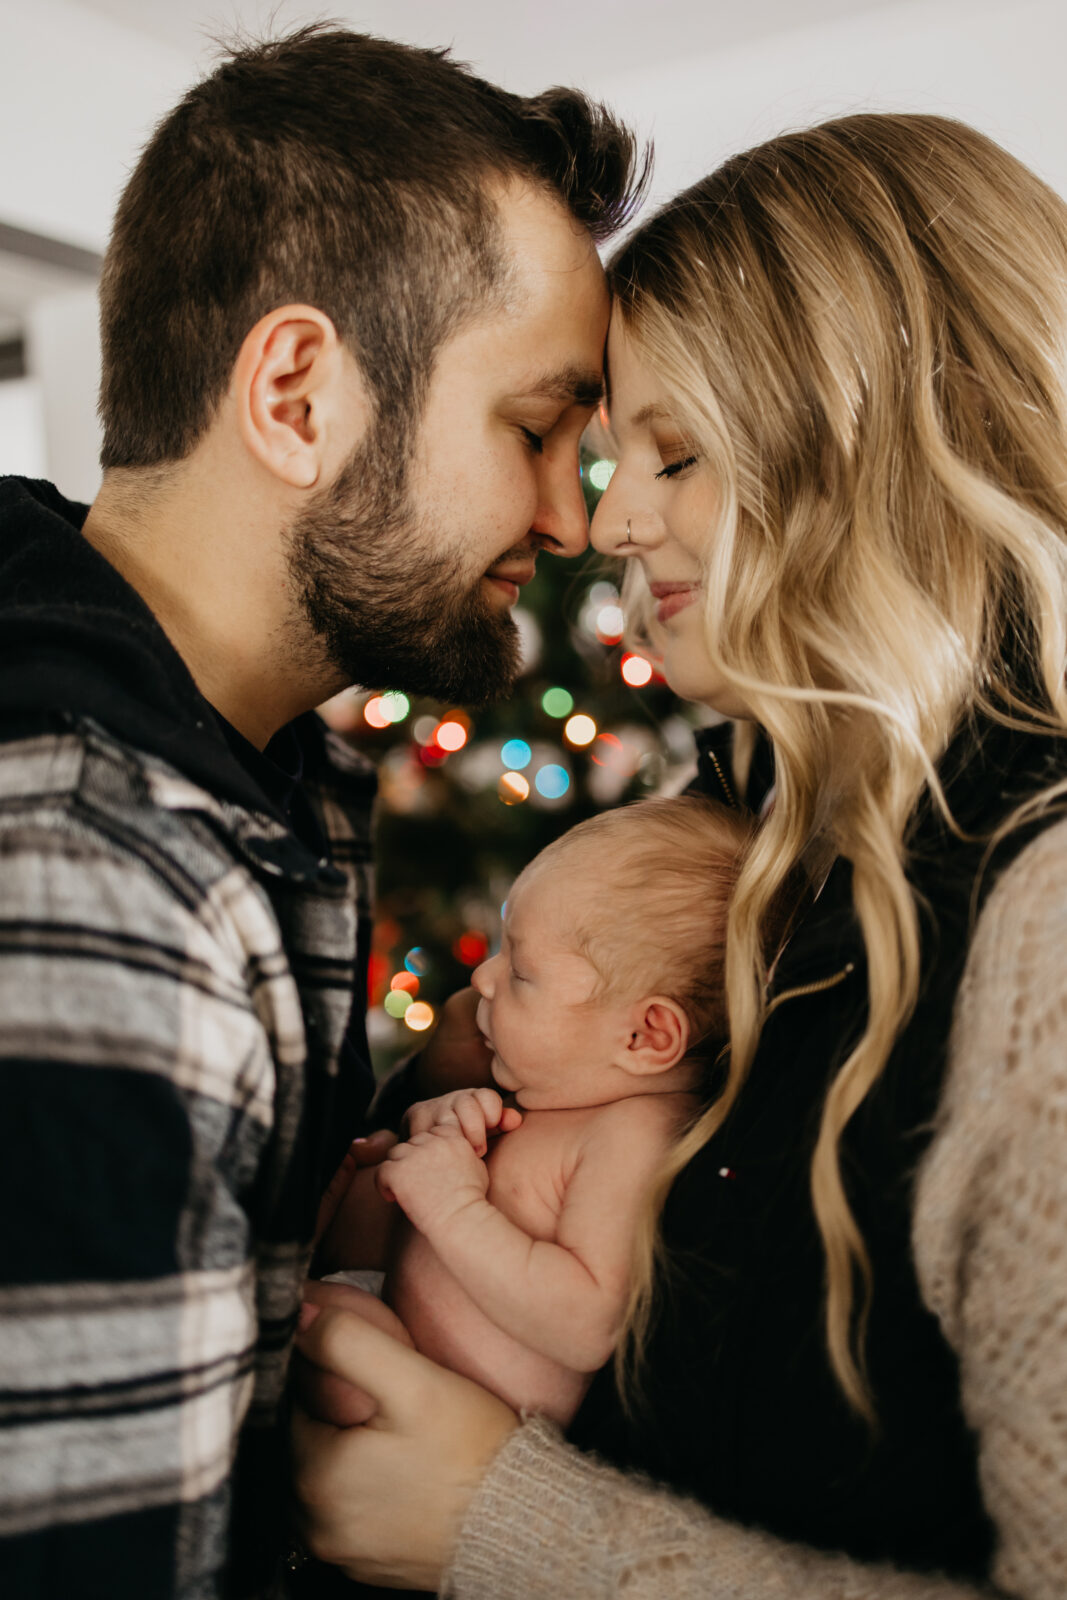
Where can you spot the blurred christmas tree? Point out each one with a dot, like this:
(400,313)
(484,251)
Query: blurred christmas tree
(466,800)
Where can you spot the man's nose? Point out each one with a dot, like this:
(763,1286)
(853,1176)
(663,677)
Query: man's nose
(561,522)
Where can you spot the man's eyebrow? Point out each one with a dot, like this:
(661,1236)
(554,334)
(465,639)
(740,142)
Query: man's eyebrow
(568,386)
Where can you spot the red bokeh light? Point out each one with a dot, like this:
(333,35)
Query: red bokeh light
(471,949)
(377,973)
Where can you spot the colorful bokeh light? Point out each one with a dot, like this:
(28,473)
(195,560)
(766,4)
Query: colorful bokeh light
(601,473)
(610,623)
(516,754)
(398,1002)
(557,702)
(636,670)
(375,714)
(450,735)
(417,961)
(609,751)
(395,705)
(580,730)
(513,788)
(471,948)
(552,781)
(419,1016)
(405,980)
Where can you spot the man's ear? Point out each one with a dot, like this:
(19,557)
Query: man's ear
(300,403)
(658,1037)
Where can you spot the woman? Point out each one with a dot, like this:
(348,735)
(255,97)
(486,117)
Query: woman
(839,391)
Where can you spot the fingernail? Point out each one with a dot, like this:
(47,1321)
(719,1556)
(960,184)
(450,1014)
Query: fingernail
(308,1312)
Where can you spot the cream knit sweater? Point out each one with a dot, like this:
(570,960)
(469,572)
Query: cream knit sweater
(990,1239)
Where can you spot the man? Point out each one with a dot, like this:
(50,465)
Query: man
(352,327)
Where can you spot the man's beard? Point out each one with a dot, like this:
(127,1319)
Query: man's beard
(390,610)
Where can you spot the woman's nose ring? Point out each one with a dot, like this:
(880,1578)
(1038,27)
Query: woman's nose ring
(628,539)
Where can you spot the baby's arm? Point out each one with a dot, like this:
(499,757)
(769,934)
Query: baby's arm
(563,1298)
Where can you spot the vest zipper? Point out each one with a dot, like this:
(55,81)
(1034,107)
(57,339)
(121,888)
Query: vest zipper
(793,994)
(726,789)
(810,988)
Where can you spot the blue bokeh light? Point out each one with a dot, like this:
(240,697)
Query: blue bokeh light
(552,781)
(516,754)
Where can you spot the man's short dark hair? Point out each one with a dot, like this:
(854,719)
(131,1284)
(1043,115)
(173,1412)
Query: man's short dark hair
(339,170)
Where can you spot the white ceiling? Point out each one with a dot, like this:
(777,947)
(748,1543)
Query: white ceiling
(524,46)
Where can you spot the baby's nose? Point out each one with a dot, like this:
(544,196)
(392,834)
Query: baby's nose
(481,980)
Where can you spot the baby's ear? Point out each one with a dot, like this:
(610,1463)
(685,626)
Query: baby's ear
(659,1037)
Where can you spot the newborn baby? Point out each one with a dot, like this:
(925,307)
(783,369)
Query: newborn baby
(511,1260)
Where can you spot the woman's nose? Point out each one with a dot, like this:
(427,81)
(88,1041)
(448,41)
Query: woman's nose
(617,531)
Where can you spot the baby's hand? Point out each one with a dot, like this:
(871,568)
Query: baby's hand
(433,1176)
(475,1112)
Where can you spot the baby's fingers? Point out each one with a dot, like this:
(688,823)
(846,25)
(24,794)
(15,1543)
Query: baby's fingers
(472,1122)
(427,1114)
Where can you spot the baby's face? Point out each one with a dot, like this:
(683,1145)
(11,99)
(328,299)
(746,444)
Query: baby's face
(552,1044)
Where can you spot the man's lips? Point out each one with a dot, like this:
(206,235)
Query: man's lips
(672,598)
(511,579)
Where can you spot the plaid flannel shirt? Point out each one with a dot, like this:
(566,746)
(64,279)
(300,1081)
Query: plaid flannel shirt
(176,978)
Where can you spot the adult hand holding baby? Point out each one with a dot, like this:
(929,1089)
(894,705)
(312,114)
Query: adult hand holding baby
(361,1154)
(385,1502)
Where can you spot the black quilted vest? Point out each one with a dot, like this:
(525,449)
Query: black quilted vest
(740,1407)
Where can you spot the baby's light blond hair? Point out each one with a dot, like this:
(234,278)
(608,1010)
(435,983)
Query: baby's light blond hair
(661,873)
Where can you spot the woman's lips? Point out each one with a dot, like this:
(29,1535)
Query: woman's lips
(672,598)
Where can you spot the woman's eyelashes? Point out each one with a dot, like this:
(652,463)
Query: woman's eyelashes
(534,441)
(673,468)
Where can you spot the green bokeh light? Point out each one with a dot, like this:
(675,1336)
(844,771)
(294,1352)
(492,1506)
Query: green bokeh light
(558,702)
(395,705)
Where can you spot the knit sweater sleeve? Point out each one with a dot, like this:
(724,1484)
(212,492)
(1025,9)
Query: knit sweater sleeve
(990,1235)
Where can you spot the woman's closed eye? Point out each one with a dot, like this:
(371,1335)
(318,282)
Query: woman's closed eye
(672,469)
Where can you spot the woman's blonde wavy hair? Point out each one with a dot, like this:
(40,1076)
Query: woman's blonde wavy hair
(864,328)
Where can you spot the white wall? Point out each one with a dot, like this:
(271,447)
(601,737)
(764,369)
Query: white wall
(63,355)
(80,94)
(79,97)
(999,66)
(22,443)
